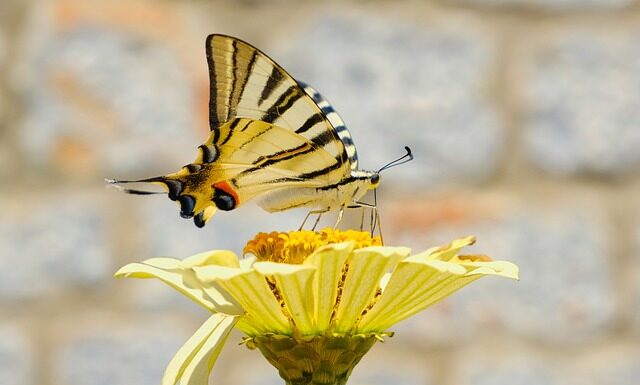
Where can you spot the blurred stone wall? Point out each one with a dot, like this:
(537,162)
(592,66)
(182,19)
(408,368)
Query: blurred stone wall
(524,117)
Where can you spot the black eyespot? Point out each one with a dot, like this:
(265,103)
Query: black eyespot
(187,203)
(198,219)
(209,154)
(223,200)
(175,188)
(193,168)
(375,179)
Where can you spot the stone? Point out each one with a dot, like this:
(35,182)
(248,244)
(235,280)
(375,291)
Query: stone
(555,5)
(17,366)
(168,234)
(566,294)
(3,48)
(118,353)
(108,91)
(634,280)
(384,365)
(50,245)
(492,365)
(615,363)
(498,363)
(402,84)
(581,107)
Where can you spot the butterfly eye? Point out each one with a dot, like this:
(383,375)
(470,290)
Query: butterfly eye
(375,179)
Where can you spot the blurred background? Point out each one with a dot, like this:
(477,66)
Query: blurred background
(524,117)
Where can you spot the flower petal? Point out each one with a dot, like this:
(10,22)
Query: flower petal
(250,289)
(500,268)
(172,272)
(203,346)
(173,279)
(328,261)
(446,252)
(418,282)
(247,262)
(213,257)
(366,268)
(295,284)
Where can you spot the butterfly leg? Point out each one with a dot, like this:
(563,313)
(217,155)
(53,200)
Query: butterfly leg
(317,220)
(363,209)
(374,218)
(319,212)
(339,219)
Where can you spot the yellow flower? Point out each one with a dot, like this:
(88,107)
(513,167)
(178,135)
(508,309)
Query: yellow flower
(313,303)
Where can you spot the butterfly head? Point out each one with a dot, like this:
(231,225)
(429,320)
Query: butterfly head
(374,180)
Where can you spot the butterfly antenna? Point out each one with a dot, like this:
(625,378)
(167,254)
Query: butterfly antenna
(408,157)
(115,183)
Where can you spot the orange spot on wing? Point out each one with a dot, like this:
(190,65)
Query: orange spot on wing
(226,187)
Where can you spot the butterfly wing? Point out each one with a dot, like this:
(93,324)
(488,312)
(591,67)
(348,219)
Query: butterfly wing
(268,133)
(256,157)
(336,122)
(247,83)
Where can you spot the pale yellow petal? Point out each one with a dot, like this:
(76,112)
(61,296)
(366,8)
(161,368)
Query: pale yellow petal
(171,272)
(247,262)
(249,326)
(197,370)
(250,289)
(174,279)
(295,284)
(446,252)
(415,285)
(328,261)
(500,268)
(186,354)
(213,257)
(366,268)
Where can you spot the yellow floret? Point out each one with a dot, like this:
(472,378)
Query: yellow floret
(294,246)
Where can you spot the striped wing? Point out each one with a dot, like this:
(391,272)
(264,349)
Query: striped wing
(269,134)
(261,157)
(336,121)
(246,83)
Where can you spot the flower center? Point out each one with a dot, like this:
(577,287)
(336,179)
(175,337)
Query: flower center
(294,246)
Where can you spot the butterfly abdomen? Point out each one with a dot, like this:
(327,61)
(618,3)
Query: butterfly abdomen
(334,196)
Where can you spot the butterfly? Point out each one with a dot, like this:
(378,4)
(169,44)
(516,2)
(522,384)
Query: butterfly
(272,138)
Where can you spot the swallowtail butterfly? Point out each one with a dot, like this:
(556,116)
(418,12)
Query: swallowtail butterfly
(272,138)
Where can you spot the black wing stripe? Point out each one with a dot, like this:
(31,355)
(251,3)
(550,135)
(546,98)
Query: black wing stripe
(327,110)
(267,129)
(280,156)
(246,125)
(312,121)
(309,175)
(234,76)
(284,102)
(244,73)
(343,182)
(232,127)
(214,121)
(272,83)
(326,170)
(323,138)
